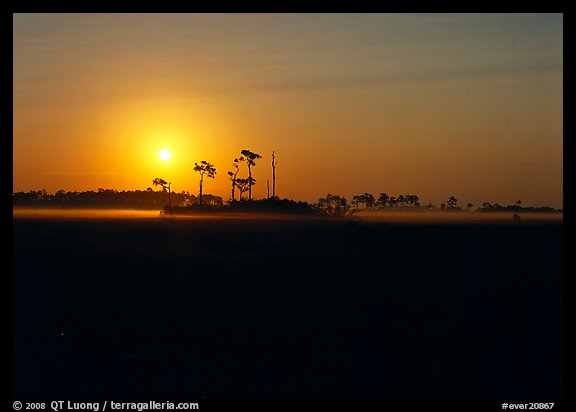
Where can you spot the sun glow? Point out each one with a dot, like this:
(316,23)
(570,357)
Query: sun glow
(165,155)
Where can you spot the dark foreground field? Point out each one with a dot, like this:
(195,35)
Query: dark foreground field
(261,308)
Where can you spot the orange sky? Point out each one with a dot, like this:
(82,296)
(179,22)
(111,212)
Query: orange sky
(435,105)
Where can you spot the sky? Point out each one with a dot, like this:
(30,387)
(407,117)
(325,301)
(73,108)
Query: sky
(438,105)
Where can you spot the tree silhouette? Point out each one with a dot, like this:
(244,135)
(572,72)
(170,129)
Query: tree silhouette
(232,176)
(367,199)
(412,200)
(383,200)
(401,200)
(274,164)
(452,202)
(333,205)
(243,185)
(250,158)
(469,206)
(204,168)
(165,186)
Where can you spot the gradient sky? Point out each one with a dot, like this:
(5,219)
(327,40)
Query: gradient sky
(437,105)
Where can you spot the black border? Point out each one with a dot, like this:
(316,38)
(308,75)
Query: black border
(331,404)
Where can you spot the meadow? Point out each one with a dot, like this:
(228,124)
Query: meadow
(139,305)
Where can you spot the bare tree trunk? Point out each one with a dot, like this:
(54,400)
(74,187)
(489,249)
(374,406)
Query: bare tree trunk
(201,181)
(169,199)
(249,182)
(268,188)
(234,184)
(274,163)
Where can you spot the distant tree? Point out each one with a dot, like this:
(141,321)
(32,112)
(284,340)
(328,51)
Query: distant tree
(250,158)
(367,199)
(409,200)
(274,164)
(212,200)
(232,176)
(383,200)
(469,206)
(392,201)
(166,187)
(452,202)
(333,205)
(204,168)
(443,206)
(401,200)
(412,200)
(60,196)
(243,185)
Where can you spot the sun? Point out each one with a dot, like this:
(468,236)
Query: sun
(165,155)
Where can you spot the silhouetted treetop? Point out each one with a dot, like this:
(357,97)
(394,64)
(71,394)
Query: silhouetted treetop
(250,157)
(160,182)
(452,203)
(204,168)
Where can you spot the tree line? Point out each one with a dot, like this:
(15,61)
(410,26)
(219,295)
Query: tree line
(333,205)
(108,198)
(330,205)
